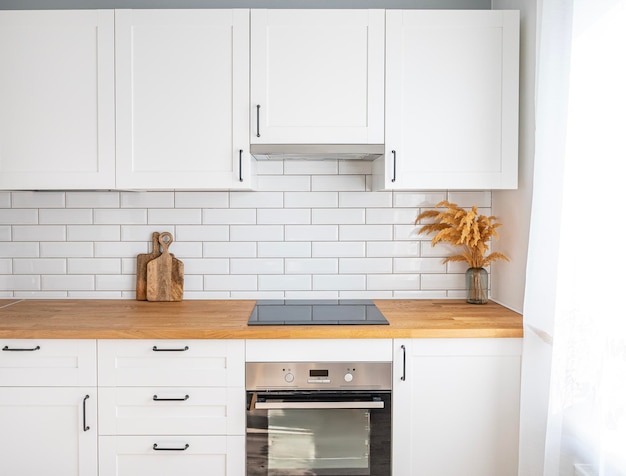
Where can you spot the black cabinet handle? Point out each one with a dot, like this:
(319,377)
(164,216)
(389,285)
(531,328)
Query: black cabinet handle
(182,399)
(394,165)
(156,349)
(6,348)
(85,427)
(258,108)
(155,447)
(240,169)
(403,378)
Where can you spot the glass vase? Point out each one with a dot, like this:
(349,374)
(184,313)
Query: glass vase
(476,285)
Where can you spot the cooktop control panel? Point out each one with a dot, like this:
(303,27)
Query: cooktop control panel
(318,376)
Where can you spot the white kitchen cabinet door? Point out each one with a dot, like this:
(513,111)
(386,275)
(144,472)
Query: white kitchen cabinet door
(167,456)
(182,79)
(456,407)
(451,100)
(57,96)
(317,76)
(51,431)
(47,362)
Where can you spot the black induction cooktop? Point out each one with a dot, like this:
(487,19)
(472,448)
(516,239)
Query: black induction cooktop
(316,312)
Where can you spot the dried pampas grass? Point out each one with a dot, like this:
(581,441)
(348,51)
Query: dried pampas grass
(464,228)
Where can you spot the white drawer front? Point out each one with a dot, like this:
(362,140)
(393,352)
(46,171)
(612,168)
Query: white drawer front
(205,455)
(172,411)
(47,362)
(164,363)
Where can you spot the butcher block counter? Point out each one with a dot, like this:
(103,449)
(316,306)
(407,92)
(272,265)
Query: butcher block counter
(227,319)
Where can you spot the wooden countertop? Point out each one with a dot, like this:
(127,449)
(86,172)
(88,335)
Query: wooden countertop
(227,319)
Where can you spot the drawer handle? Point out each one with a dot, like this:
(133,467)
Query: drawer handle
(156,349)
(85,426)
(7,349)
(155,447)
(157,399)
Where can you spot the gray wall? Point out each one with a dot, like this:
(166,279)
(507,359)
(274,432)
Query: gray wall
(86,4)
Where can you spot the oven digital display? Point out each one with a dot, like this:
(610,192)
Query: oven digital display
(318,373)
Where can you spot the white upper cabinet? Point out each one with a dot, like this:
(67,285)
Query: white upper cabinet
(182,85)
(451,100)
(317,76)
(57,117)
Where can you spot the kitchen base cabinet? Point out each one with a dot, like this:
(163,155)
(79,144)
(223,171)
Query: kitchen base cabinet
(456,407)
(172,455)
(50,431)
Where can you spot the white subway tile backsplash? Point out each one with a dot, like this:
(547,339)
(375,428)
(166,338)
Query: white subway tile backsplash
(38,200)
(269,167)
(202,233)
(64,282)
(113,216)
(344,249)
(284,216)
(339,282)
(65,216)
(365,232)
(201,199)
(19,250)
(39,233)
(280,249)
(229,216)
(311,232)
(311,199)
(147,199)
(291,282)
(257,233)
(257,266)
(310,167)
(229,250)
(311,266)
(256,199)
(341,183)
(365,199)
(94,266)
(338,216)
(365,265)
(92,199)
(93,233)
(355,167)
(17,216)
(39,266)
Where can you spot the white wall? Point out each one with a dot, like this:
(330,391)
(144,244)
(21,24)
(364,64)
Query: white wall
(313,230)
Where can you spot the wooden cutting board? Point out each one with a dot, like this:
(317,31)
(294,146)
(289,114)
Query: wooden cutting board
(165,274)
(142,267)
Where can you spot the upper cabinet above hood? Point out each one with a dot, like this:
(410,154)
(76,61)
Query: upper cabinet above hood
(317,84)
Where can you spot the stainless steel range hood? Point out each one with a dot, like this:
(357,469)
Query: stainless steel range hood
(317,151)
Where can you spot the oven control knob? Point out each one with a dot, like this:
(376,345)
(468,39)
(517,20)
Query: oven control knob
(348,377)
(289,377)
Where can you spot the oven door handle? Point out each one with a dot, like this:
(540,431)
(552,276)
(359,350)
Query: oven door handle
(313,405)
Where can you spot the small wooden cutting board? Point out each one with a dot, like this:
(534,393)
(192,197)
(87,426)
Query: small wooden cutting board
(165,274)
(142,267)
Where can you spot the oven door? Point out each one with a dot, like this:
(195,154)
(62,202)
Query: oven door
(318,433)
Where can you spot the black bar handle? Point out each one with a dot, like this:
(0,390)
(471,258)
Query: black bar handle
(258,108)
(182,399)
(403,378)
(6,348)
(155,447)
(85,427)
(394,166)
(240,169)
(156,349)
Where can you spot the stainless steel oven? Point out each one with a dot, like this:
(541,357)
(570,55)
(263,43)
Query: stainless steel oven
(330,418)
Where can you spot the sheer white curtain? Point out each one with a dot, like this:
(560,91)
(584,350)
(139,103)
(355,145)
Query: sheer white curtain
(574,376)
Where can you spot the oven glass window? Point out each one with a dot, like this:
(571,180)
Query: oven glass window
(318,440)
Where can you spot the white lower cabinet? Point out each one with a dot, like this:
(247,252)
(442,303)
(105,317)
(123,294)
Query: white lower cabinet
(171,407)
(456,407)
(172,455)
